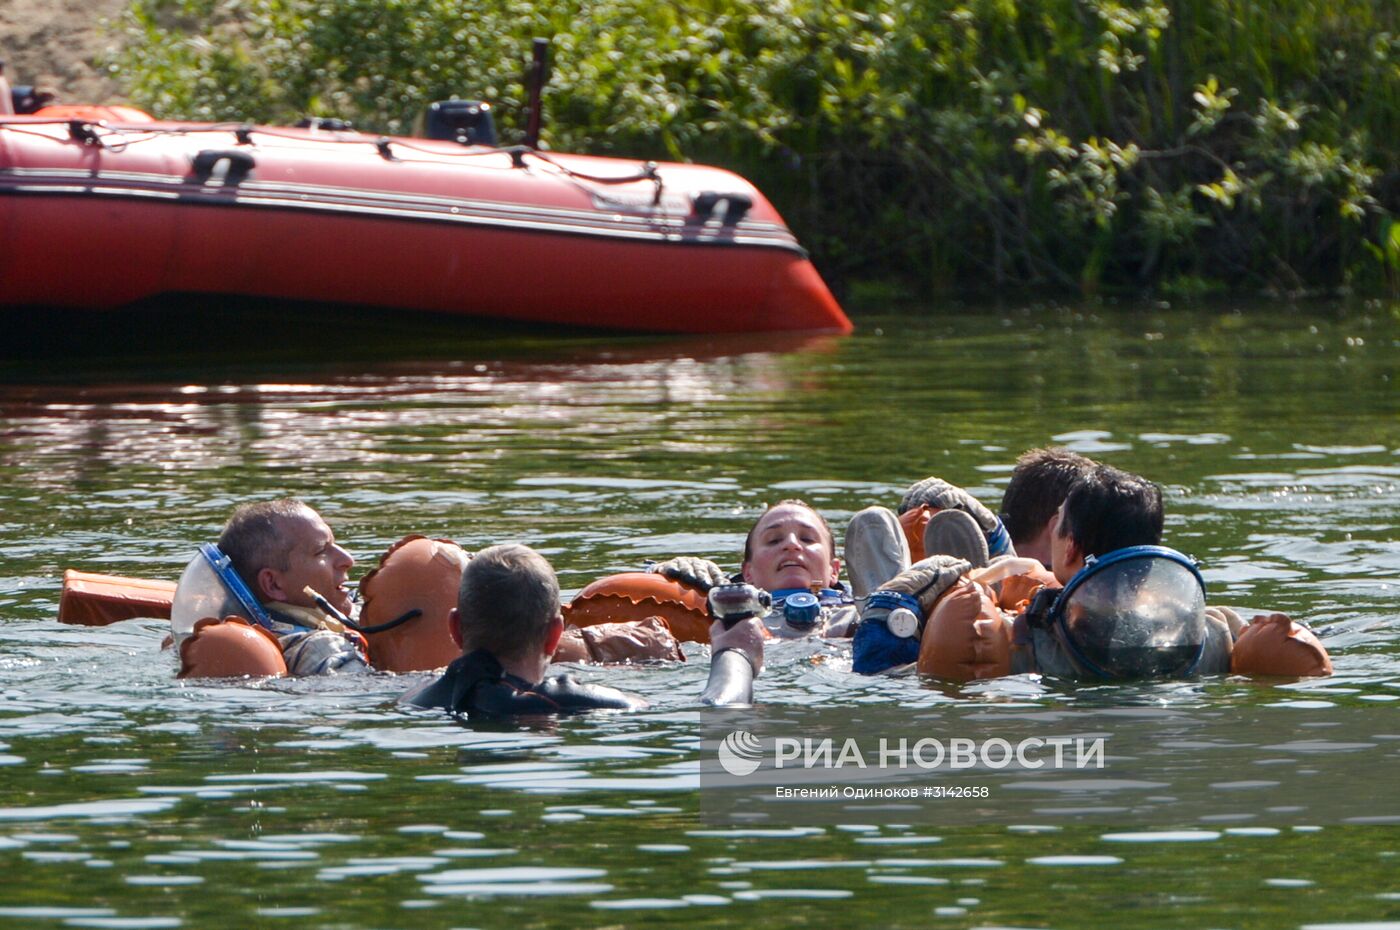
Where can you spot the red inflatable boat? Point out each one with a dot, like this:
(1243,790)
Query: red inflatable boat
(101,207)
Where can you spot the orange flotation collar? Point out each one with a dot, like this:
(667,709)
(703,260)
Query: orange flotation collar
(407,600)
(97,600)
(230,648)
(965,637)
(1273,644)
(633,596)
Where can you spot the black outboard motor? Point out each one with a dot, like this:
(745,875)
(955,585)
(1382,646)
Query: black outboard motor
(27,99)
(466,122)
(21,99)
(326,123)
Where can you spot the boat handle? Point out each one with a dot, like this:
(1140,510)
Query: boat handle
(735,206)
(240,164)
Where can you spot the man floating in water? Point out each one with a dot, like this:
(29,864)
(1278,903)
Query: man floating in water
(277,566)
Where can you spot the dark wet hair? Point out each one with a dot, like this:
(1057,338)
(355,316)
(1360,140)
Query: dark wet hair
(1039,485)
(791,502)
(508,596)
(1109,509)
(253,538)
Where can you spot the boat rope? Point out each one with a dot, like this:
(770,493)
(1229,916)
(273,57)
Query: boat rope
(90,132)
(117,138)
(648,172)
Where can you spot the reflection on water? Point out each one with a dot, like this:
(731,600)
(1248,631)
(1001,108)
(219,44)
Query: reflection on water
(132,800)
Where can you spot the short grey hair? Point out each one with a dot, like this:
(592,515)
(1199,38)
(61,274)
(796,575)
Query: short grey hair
(253,538)
(508,596)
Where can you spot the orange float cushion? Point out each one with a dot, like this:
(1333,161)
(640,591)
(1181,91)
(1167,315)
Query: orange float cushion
(97,600)
(965,638)
(633,596)
(415,573)
(1273,644)
(230,648)
(1017,590)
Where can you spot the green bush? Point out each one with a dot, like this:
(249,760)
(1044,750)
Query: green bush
(1171,145)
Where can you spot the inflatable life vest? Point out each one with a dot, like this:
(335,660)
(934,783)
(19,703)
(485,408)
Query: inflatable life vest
(407,600)
(633,596)
(1017,590)
(965,637)
(1273,644)
(97,600)
(230,648)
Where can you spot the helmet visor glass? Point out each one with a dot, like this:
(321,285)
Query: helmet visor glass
(1141,617)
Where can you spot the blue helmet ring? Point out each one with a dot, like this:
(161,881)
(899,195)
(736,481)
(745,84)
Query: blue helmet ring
(1133,613)
(223,567)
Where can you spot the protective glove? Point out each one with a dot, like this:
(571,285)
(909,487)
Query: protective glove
(700,574)
(1230,617)
(916,588)
(882,642)
(941,495)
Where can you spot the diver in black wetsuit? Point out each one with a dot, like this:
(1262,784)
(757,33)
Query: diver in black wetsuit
(508,624)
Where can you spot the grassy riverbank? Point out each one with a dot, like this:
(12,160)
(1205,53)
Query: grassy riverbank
(1169,146)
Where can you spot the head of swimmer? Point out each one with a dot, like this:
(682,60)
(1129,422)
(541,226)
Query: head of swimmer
(282,547)
(791,546)
(1038,486)
(508,604)
(1106,509)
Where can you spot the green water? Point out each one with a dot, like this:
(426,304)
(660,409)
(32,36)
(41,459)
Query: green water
(131,800)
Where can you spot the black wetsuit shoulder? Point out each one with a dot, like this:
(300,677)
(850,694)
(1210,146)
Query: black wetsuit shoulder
(477,686)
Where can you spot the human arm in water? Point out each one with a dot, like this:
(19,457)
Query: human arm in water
(608,643)
(736,659)
(891,624)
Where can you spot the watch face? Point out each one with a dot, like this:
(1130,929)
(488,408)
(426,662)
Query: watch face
(902,622)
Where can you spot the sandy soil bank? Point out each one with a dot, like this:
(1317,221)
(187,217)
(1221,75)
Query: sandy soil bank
(54,44)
